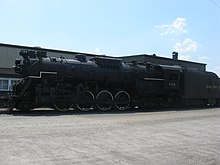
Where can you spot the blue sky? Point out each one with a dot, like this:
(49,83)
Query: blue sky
(117,27)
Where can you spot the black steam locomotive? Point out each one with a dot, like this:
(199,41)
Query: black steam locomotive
(104,83)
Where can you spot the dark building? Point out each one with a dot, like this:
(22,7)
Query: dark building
(9,53)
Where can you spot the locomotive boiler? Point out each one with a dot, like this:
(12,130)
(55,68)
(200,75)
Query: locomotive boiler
(105,83)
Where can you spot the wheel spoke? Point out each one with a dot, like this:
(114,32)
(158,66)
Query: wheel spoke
(122,100)
(85,101)
(63,98)
(61,107)
(104,100)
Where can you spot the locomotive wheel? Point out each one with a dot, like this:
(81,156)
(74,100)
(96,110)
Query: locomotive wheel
(85,101)
(104,100)
(122,100)
(24,106)
(63,104)
(9,104)
(63,97)
(62,108)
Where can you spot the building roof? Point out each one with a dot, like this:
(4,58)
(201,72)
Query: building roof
(46,49)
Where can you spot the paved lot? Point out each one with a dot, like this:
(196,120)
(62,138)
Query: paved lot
(154,138)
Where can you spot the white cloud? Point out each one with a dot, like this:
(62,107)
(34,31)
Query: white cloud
(185,57)
(97,51)
(203,59)
(187,45)
(176,27)
(217,70)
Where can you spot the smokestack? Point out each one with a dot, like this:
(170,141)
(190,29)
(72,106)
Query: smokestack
(175,55)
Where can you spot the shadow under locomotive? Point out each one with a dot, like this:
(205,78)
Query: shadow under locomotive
(106,83)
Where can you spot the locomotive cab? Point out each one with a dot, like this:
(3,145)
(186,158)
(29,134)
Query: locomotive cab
(172,77)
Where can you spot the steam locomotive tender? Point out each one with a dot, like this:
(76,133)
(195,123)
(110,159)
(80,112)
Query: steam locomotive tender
(106,83)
